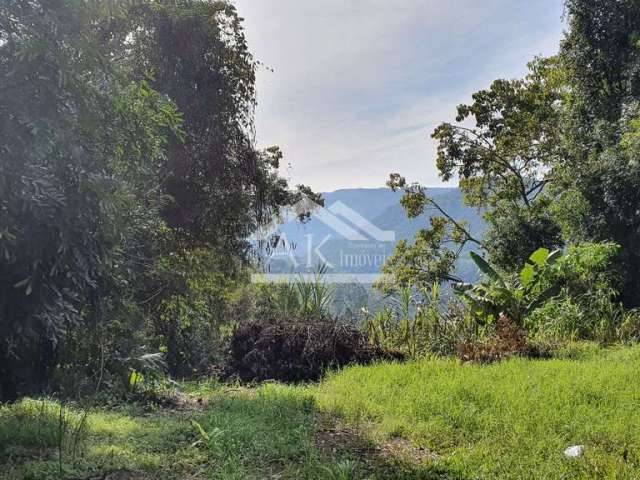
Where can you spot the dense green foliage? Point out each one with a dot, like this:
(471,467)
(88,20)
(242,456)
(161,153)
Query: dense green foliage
(129,183)
(197,55)
(514,299)
(79,146)
(601,170)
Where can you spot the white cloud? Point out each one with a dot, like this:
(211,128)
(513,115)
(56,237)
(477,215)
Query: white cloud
(359,85)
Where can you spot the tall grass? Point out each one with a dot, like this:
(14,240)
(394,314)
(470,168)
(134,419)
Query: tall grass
(314,297)
(242,434)
(43,424)
(418,323)
(301,298)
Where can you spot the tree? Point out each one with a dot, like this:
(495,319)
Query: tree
(431,258)
(600,175)
(220,186)
(68,151)
(552,159)
(600,52)
(504,162)
(502,149)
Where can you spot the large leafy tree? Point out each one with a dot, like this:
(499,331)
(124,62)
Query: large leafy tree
(600,52)
(502,149)
(127,158)
(76,139)
(221,187)
(598,182)
(553,158)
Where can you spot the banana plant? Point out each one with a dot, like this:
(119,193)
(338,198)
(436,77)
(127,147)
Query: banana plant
(513,297)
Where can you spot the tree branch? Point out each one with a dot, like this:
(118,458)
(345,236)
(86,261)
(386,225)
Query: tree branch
(470,237)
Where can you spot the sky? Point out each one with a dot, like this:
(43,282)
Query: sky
(352,89)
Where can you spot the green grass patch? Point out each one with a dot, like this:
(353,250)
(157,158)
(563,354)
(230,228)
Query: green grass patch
(41,424)
(510,420)
(240,434)
(40,439)
(271,429)
(430,419)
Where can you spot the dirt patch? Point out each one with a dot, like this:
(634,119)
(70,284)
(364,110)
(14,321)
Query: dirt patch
(345,440)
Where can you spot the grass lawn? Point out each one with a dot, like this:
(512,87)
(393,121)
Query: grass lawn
(511,420)
(432,419)
(238,433)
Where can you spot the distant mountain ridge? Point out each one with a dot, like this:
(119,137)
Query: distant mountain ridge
(319,240)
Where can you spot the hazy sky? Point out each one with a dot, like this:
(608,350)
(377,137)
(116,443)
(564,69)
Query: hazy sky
(354,88)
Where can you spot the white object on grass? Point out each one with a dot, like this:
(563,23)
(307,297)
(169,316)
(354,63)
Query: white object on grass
(574,451)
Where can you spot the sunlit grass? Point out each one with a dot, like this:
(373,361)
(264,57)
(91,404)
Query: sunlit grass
(38,423)
(241,434)
(273,430)
(509,420)
(113,441)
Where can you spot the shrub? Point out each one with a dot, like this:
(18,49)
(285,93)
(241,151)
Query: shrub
(587,307)
(629,329)
(556,297)
(513,298)
(301,298)
(293,351)
(559,318)
(586,268)
(189,320)
(598,318)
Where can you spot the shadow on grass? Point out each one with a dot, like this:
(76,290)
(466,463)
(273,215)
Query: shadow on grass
(393,459)
(273,432)
(277,432)
(114,445)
